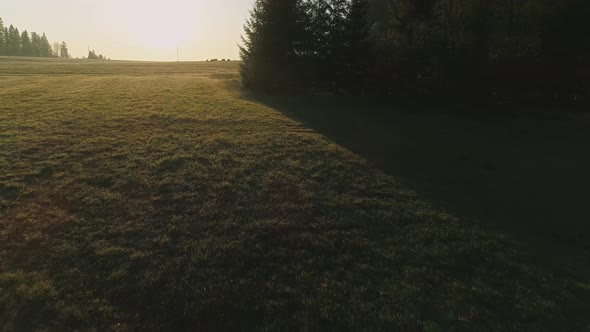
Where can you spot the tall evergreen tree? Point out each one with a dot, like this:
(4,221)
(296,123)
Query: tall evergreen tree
(327,31)
(63,50)
(458,48)
(274,45)
(13,44)
(45,47)
(26,48)
(2,38)
(6,35)
(358,52)
(35,44)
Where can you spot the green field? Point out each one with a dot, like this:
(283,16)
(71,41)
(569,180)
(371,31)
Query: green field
(145,196)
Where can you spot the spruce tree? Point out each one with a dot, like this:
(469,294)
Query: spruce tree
(63,50)
(357,48)
(13,41)
(35,44)
(2,38)
(275,45)
(26,49)
(45,47)
(6,35)
(320,15)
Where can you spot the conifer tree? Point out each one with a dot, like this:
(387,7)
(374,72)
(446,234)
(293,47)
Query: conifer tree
(45,47)
(2,38)
(6,37)
(35,44)
(63,50)
(13,41)
(357,47)
(26,49)
(274,45)
(419,47)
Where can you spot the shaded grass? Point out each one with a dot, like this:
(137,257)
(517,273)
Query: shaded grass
(522,171)
(144,200)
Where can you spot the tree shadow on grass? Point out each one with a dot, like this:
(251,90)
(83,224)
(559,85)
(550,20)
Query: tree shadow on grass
(523,172)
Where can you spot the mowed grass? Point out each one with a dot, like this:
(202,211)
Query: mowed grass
(515,169)
(144,196)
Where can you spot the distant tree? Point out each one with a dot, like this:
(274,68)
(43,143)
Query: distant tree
(92,55)
(64,50)
(16,42)
(35,44)
(55,51)
(6,36)
(6,40)
(45,47)
(2,38)
(13,41)
(26,47)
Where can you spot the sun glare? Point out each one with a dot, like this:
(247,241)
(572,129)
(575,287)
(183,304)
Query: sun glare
(160,24)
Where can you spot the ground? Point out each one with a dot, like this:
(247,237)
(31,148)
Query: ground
(520,170)
(162,196)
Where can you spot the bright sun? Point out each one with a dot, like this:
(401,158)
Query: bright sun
(160,24)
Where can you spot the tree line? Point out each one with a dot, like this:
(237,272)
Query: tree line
(484,49)
(93,56)
(14,43)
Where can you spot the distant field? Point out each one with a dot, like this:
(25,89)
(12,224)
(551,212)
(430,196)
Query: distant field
(161,196)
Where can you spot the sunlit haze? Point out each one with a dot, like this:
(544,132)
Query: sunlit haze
(135,29)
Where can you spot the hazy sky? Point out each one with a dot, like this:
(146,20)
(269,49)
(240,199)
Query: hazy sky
(135,29)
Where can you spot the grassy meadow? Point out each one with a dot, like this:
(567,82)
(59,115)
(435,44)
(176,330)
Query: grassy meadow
(149,196)
(509,168)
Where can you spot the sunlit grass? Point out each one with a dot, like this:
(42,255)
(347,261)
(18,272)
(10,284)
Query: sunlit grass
(146,196)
